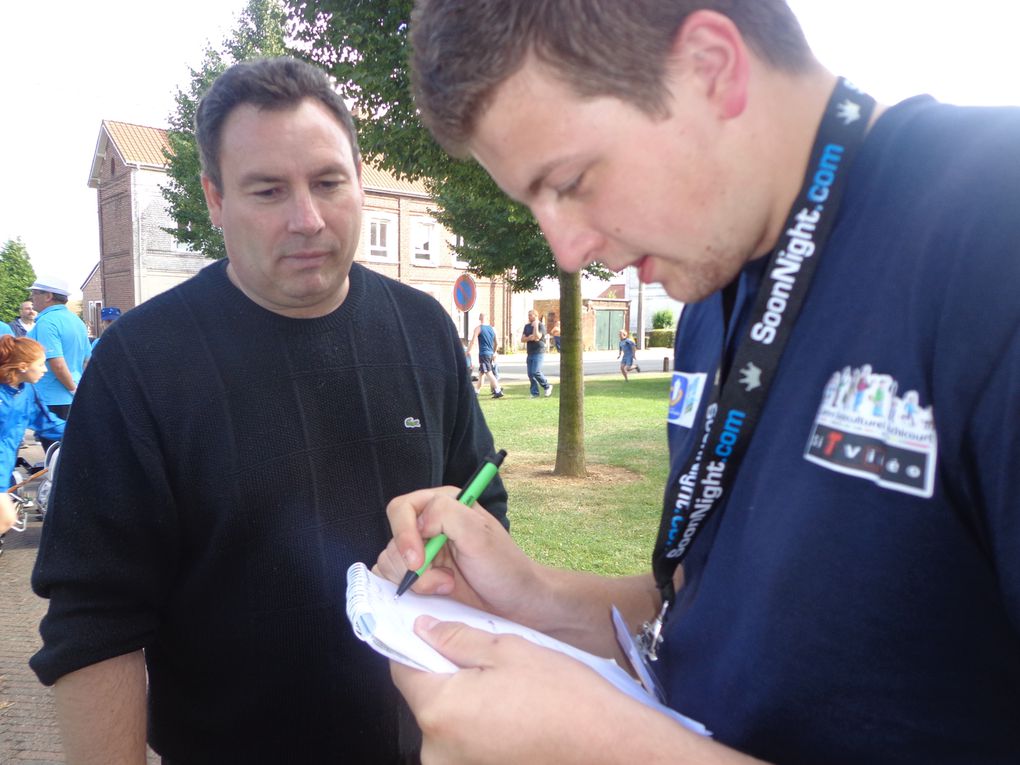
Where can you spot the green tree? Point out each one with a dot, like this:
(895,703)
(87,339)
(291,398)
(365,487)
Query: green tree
(662,319)
(16,276)
(363,43)
(260,31)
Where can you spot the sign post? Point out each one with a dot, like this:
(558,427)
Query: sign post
(464,294)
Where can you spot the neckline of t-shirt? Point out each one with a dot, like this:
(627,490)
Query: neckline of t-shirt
(234,297)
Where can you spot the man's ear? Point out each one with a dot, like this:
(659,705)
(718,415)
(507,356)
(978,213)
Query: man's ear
(714,55)
(213,200)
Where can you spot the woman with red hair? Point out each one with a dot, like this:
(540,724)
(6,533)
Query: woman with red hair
(22,363)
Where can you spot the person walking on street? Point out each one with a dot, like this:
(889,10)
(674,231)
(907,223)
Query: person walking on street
(485,334)
(67,345)
(25,320)
(626,355)
(534,336)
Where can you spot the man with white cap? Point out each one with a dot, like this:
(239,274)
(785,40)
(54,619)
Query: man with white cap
(66,341)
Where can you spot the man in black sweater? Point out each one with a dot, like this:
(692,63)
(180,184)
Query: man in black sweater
(232,450)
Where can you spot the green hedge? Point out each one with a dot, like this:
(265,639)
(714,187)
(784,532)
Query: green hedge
(660,338)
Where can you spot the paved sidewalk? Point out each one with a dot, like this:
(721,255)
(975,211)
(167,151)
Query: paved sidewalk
(28,719)
(28,725)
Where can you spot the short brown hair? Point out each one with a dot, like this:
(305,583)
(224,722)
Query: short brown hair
(267,83)
(462,50)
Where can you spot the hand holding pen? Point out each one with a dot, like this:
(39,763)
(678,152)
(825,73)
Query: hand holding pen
(467,496)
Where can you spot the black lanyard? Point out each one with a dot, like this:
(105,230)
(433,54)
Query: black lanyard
(736,402)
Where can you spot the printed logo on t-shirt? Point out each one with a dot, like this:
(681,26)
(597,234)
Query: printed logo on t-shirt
(864,429)
(684,397)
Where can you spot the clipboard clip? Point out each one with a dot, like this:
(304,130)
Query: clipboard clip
(650,637)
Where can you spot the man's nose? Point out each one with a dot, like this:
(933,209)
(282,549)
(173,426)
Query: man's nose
(304,214)
(573,241)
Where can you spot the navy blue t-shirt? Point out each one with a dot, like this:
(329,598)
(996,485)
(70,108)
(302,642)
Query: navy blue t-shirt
(486,341)
(857,600)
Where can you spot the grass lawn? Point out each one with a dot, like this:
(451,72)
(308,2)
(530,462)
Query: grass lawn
(604,523)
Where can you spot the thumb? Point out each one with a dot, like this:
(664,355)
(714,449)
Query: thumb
(465,646)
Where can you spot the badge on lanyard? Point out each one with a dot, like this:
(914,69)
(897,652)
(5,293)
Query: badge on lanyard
(684,396)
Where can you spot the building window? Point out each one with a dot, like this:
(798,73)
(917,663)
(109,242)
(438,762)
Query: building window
(424,242)
(381,236)
(458,241)
(95,312)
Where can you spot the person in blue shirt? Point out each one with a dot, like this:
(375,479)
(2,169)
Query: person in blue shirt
(67,345)
(843,421)
(22,363)
(485,334)
(626,354)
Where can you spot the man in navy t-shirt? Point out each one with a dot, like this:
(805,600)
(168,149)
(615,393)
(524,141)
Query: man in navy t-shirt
(837,574)
(486,337)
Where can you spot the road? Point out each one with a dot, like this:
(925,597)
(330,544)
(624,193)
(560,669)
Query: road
(513,367)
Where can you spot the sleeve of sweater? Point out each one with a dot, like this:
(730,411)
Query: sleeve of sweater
(105,578)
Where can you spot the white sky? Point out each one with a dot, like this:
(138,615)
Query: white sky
(69,64)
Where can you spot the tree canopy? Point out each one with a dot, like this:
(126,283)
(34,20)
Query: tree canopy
(260,31)
(16,276)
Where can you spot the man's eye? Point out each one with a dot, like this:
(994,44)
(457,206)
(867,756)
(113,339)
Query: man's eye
(266,193)
(569,188)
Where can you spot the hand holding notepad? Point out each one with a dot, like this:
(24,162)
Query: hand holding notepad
(386,623)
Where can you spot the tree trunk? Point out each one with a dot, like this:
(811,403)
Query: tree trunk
(570,443)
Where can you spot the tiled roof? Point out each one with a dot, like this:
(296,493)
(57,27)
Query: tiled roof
(138,144)
(141,145)
(374,179)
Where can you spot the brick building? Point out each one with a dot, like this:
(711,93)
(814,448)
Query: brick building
(138,259)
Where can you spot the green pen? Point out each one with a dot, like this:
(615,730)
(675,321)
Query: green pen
(478,483)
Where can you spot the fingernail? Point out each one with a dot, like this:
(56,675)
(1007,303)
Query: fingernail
(444,589)
(425,623)
(409,559)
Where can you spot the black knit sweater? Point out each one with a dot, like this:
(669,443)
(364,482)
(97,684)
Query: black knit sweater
(223,466)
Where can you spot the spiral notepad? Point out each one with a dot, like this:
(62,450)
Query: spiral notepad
(386,624)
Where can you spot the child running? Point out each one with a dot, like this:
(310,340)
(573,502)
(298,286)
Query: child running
(627,351)
(22,363)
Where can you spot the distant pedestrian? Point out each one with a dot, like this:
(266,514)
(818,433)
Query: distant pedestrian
(554,333)
(23,324)
(534,336)
(626,354)
(66,341)
(485,334)
(108,315)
